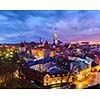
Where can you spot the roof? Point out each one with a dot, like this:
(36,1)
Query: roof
(54,70)
(93,64)
(22,45)
(89,59)
(46,45)
(91,55)
(23,54)
(80,65)
(41,61)
(98,57)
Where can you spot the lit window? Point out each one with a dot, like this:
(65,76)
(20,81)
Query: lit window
(63,74)
(58,75)
(53,75)
(47,79)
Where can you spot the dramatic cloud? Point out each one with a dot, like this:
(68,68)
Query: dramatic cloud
(30,25)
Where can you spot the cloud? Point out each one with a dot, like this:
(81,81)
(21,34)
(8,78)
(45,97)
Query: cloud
(3,18)
(30,25)
(1,39)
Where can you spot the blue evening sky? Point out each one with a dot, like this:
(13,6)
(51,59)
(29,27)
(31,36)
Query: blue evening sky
(30,25)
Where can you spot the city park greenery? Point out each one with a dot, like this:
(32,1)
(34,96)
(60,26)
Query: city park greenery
(17,83)
(8,63)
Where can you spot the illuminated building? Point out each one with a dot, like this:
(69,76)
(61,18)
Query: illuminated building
(41,53)
(98,77)
(52,52)
(37,52)
(97,59)
(82,66)
(55,76)
(45,72)
(22,47)
(46,50)
(81,69)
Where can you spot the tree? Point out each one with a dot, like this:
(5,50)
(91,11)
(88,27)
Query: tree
(8,63)
(69,75)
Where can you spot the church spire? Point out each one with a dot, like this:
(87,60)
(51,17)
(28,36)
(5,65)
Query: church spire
(55,36)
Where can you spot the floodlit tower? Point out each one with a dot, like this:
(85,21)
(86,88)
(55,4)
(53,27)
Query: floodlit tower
(55,37)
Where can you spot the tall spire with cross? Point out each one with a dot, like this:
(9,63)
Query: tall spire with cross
(55,37)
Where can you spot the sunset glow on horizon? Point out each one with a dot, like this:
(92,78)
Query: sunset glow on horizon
(29,25)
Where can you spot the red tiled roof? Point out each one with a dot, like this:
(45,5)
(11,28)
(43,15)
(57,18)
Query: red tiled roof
(91,56)
(46,45)
(98,56)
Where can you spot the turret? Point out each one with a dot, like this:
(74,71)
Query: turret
(46,50)
(22,47)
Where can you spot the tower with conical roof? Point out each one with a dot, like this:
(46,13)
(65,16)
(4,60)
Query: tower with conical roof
(22,47)
(46,50)
(55,37)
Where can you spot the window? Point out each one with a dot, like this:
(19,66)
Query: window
(58,78)
(47,79)
(47,84)
(58,75)
(53,75)
(64,80)
(63,74)
(47,76)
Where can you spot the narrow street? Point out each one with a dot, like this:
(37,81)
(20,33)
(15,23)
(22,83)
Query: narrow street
(33,84)
(89,81)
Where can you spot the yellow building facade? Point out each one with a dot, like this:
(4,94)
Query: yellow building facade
(51,80)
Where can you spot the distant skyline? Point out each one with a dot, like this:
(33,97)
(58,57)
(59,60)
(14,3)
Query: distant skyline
(30,25)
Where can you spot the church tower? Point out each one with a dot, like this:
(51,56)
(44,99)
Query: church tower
(46,50)
(22,47)
(55,37)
